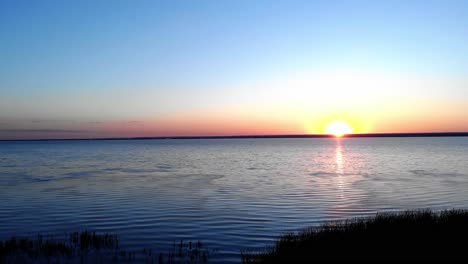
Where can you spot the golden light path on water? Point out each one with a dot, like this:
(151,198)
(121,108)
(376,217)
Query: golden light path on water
(339,157)
(344,180)
(339,167)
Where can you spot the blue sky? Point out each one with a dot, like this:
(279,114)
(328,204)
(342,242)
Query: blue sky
(60,60)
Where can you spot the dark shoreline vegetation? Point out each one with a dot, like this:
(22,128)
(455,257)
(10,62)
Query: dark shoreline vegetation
(409,236)
(90,247)
(419,235)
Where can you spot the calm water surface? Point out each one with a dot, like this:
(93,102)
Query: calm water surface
(229,193)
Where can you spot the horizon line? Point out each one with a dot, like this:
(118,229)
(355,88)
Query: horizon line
(357,135)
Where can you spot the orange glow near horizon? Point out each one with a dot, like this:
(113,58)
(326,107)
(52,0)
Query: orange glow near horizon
(339,129)
(383,117)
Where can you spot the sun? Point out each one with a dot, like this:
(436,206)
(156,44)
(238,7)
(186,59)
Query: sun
(338,129)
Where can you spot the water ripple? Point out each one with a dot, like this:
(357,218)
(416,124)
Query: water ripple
(231,194)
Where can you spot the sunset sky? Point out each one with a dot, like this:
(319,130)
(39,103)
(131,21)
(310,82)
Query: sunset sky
(86,69)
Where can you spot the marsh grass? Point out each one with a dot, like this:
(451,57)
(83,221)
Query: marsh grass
(91,247)
(185,252)
(409,236)
(413,236)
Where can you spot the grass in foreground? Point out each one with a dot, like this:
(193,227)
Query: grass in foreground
(410,236)
(90,247)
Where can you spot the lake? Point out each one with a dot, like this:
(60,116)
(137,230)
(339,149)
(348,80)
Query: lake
(229,193)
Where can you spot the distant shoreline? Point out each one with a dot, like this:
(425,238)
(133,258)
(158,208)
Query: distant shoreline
(363,135)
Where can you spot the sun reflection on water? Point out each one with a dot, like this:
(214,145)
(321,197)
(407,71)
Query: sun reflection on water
(337,176)
(339,169)
(339,157)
